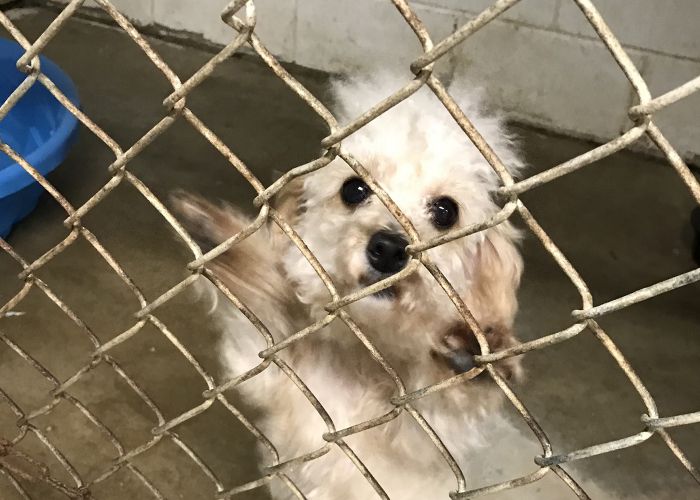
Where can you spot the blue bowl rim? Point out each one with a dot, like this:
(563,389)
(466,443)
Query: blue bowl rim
(13,177)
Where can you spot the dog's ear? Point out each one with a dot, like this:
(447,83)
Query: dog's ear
(499,267)
(207,223)
(250,268)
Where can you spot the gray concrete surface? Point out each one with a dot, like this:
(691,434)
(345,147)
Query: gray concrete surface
(623,222)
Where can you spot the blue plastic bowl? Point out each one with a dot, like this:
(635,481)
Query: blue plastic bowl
(38,127)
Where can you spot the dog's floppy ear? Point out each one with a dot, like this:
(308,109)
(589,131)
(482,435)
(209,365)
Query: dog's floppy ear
(207,223)
(250,268)
(499,267)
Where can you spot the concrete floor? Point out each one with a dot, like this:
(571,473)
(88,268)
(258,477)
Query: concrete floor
(623,222)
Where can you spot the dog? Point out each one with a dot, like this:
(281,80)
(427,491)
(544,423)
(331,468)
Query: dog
(422,159)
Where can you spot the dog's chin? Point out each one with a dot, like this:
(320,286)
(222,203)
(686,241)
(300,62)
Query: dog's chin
(389,294)
(386,294)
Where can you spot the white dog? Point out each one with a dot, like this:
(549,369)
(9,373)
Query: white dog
(418,154)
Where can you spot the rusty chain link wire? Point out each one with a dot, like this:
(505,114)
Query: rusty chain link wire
(240,16)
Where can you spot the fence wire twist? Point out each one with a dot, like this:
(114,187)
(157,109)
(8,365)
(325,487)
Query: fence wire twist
(240,16)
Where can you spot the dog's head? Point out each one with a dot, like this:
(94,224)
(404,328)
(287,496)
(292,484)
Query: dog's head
(438,179)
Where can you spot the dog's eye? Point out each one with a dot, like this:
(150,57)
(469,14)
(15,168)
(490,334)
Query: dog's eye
(354,191)
(444,212)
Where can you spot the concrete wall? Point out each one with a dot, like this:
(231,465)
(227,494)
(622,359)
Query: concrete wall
(541,60)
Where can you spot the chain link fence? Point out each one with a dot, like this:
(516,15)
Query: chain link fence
(240,16)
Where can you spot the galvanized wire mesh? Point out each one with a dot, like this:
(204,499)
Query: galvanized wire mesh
(240,16)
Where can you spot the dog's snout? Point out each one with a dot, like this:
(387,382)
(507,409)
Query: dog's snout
(386,252)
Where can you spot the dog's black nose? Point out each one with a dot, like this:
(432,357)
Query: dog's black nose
(386,252)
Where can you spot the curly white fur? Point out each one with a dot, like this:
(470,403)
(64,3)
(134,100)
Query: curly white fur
(416,152)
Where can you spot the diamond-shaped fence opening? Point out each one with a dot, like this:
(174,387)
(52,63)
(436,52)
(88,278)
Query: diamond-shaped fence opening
(17,465)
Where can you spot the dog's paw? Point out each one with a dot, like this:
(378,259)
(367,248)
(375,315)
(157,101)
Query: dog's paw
(459,346)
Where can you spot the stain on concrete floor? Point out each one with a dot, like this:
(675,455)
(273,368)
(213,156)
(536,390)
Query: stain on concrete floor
(622,222)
